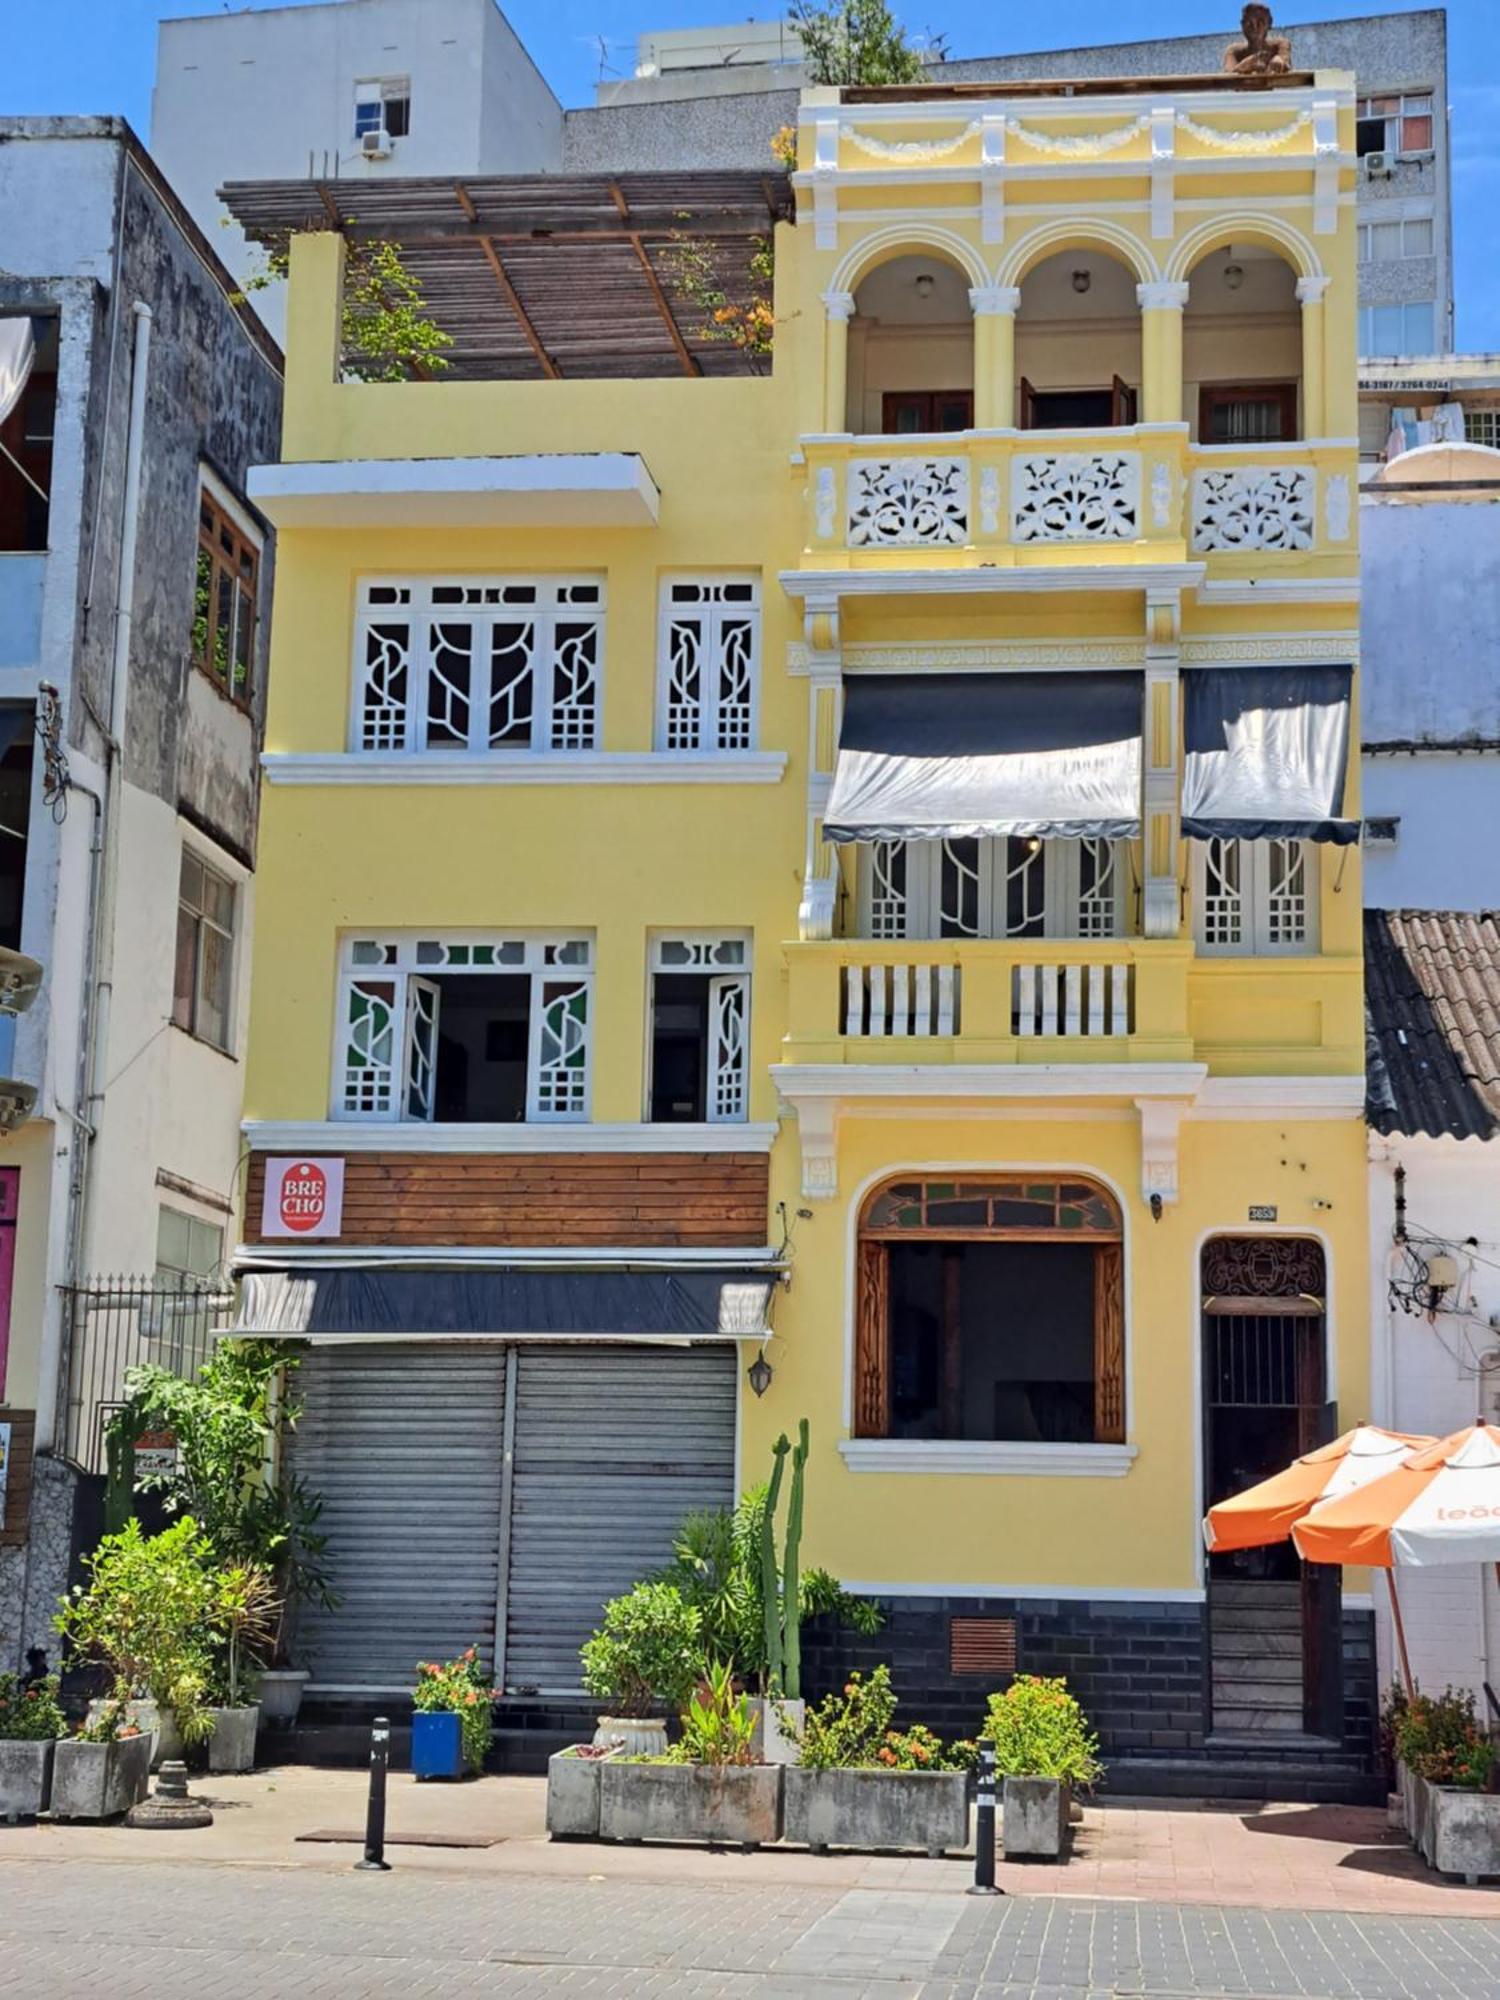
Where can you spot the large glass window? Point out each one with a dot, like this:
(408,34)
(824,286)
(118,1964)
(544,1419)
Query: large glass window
(203,990)
(1393,330)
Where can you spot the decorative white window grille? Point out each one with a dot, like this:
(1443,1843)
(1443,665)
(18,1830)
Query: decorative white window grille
(506,663)
(1255,898)
(709,663)
(1011,888)
(1253,507)
(1075,496)
(908,502)
(700,1029)
(391,1047)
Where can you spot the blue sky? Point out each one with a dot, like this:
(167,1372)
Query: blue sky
(98,55)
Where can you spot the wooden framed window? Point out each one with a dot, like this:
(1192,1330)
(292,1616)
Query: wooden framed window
(1078,409)
(203,989)
(224,600)
(1254,413)
(993,1308)
(918,412)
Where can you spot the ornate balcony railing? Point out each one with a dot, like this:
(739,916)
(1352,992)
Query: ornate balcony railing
(1143,493)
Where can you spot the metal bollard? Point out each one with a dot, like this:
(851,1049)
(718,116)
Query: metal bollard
(380,1757)
(984,1826)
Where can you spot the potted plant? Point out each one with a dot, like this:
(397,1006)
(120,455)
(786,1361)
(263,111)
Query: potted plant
(1044,1751)
(1444,1763)
(644,1661)
(242,1611)
(708,1786)
(573,1790)
(31,1720)
(104,1770)
(144,1614)
(859,1783)
(453,1719)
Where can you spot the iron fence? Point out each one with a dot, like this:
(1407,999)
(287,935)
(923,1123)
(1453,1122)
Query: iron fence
(114,1326)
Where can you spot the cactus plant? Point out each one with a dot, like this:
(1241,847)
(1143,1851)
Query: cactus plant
(770,1581)
(791,1586)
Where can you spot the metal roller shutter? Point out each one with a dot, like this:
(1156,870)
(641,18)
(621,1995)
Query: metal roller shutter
(405,1445)
(612,1448)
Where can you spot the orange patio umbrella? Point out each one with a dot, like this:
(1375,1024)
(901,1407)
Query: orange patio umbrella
(1266,1513)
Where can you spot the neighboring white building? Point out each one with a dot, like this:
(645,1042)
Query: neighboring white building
(1432,983)
(375,88)
(134,589)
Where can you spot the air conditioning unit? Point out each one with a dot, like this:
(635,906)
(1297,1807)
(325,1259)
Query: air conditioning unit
(375,145)
(17,1102)
(1379,166)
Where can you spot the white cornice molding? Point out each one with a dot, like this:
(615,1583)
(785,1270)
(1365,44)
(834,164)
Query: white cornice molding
(490,1256)
(1124,102)
(825,1082)
(563,489)
(1314,1097)
(527,767)
(1071,1593)
(338,1135)
(836,583)
(964,656)
(946,1457)
(1281,590)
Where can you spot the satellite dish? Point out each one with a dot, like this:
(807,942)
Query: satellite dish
(20,981)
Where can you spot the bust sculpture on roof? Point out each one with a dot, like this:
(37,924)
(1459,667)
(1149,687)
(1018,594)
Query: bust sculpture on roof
(1258,52)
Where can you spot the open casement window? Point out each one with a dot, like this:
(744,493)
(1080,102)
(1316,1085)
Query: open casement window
(224,599)
(509,663)
(1394,123)
(1012,888)
(1255,898)
(709,663)
(472,1030)
(1078,409)
(700,1029)
(991,1308)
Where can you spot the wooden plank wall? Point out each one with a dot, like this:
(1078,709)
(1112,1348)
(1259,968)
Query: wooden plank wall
(667,1200)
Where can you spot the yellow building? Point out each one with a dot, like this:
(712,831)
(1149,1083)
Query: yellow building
(860,846)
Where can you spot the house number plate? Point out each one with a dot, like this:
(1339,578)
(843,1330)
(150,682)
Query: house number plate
(1262,1212)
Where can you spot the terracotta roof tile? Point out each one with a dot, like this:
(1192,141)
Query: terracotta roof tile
(1432,1000)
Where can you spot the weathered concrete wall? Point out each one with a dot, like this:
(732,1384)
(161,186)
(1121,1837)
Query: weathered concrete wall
(1429,642)
(34,1576)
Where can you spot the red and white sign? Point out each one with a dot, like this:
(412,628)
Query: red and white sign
(303,1198)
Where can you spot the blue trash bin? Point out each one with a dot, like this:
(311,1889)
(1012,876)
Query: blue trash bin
(437,1749)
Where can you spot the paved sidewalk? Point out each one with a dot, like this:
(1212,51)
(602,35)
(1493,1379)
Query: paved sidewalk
(86,1928)
(1334,1858)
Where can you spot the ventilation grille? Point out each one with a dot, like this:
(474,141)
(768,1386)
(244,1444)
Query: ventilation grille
(982,1645)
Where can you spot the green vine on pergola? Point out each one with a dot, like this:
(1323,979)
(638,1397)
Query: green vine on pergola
(386,332)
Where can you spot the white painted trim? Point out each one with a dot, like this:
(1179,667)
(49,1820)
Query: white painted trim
(394,1135)
(713,614)
(1281,1097)
(988,1080)
(835,583)
(537,489)
(1209,166)
(526,767)
(1104,1593)
(1280,590)
(492,1257)
(209,850)
(960,110)
(513,1337)
(943,1456)
(234,506)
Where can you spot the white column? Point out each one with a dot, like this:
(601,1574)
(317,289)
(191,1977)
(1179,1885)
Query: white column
(838,309)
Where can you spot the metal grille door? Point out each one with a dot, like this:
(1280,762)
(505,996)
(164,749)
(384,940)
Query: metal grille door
(405,1445)
(612,1449)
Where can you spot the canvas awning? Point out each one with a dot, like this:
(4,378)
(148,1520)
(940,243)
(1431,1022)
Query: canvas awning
(358,1303)
(1266,751)
(969,756)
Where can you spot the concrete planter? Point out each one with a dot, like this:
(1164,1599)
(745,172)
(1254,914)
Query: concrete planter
(573,1795)
(231,1747)
(25,1779)
(736,1806)
(778,1730)
(1034,1818)
(1456,1831)
(632,1735)
(281,1694)
(99,1780)
(873,1809)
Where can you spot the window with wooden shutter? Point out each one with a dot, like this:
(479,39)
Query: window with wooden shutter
(1109,1345)
(872,1343)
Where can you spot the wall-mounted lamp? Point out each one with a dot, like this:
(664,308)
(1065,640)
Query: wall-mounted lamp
(758,1374)
(1234,276)
(1082,280)
(1156,1208)
(925,284)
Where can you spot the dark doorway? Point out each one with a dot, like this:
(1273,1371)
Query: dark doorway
(679,1047)
(484,1028)
(1273,1619)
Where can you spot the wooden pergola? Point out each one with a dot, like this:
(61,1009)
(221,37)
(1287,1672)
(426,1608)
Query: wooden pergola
(548,274)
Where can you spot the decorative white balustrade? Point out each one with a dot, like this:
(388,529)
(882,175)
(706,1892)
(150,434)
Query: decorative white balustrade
(1262,507)
(1073,999)
(908,503)
(901,1000)
(1075,496)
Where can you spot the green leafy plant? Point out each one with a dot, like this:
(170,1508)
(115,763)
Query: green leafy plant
(717,1725)
(30,1715)
(707,1570)
(859,42)
(242,1615)
(694,270)
(146,1614)
(386,332)
(111,1724)
(1439,1737)
(1039,1731)
(848,1730)
(647,1651)
(922,1749)
(462,1687)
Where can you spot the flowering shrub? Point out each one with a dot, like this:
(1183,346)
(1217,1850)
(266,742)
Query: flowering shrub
(646,1653)
(1439,1738)
(922,1749)
(30,1715)
(1039,1731)
(461,1687)
(849,1728)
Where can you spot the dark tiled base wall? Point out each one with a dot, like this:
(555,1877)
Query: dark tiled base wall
(1140,1671)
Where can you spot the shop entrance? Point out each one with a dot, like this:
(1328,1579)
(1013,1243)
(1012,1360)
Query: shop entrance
(1273,1620)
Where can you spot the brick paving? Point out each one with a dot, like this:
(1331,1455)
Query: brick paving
(129,1927)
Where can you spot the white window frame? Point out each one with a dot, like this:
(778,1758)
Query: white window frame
(1371,349)
(1061,864)
(401,727)
(725,957)
(232,879)
(1401,224)
(1395,119)
(380,90)
(1261,913)
(704,725)
(560,965)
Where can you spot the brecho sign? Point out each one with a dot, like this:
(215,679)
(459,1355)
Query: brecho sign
(303,1197)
